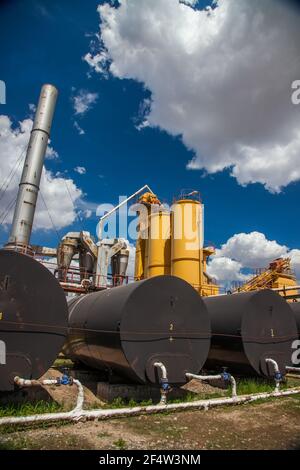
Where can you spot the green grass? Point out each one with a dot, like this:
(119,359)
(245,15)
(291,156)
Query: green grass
(28,409)
(253,386)
(121,403)
(120,444)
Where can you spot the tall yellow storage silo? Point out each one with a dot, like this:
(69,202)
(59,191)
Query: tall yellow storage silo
(186,242)
(141,255)
(159,244)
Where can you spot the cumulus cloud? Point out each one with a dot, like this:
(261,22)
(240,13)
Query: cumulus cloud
(79,128)
(226,270)
(84,101)
(247,251)
(80,169)
(252,250)
(295,258)
(13,145)
(220,78)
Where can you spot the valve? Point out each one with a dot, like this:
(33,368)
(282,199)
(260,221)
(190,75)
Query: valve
(66,378)
(165,385)
(278,377)
(225,375)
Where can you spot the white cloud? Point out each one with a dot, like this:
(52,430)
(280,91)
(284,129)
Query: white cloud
(84,101)
(78,128)
(252,250)
(13,145)
(220,78)
(88,213)
(80,169)
(225,270)
(246,251)
(295,258)
(32,107)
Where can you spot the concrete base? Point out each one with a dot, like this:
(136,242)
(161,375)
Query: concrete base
(109,392)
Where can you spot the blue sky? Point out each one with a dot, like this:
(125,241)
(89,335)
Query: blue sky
(45,41)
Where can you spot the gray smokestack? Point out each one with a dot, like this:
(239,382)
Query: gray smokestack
(33,166)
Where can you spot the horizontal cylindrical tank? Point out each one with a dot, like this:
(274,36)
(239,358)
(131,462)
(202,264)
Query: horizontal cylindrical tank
(33,318)
(186,241)
(296,310)
(248,328)
(127,329)
(159,244)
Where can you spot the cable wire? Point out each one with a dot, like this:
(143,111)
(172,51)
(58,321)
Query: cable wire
(50,217)
(6,211)
(10,176)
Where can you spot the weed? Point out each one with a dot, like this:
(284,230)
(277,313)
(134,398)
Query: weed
(120,444)
(28,409)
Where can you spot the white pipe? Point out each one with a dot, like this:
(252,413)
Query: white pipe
(293,369)
(164,391)
(34,383)
(163,369)
(108,214)
(215,377)
(80,399)
(125,412)
(277,371)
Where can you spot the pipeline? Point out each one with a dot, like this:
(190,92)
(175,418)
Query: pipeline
(225,376)
(164,381)
(80,414)
(278,376)
(63,380)
(293,369)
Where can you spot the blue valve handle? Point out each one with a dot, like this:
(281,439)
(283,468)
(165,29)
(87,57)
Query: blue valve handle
(226,376)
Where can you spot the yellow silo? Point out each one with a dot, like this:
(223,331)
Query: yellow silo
(186,242)
(159,244)
(141,255)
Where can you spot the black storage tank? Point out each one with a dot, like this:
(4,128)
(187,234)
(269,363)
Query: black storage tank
(127,329)
(33,318)
(247,329)
(296,309)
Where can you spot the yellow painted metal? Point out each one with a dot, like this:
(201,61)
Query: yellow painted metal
(186,242)
(141,257)
(283,281)
(208,287)
(159,244)
(277,275)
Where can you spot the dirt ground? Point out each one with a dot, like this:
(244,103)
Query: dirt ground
(267,425)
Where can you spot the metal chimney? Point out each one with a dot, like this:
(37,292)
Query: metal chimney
(33,166)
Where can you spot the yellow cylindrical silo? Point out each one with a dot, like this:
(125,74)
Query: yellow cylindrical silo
(138,267)
(186,241)
(141,255)
(159,244)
